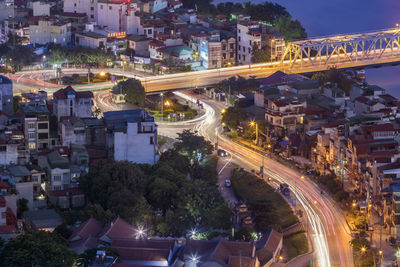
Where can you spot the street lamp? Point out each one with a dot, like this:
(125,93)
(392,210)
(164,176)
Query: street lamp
(363,249)
(162,106)
(223,111)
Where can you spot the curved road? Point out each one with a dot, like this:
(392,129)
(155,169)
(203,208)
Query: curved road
(327,226)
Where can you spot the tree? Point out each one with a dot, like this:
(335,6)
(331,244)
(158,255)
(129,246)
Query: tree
(22,206)
(233,117)
(37,249)
(260,55)
(16,103)
(194,146)
(133,90)
(89,255)
(20,56)
(63,231)
(118,187)
(58,55)
(291,29)
(320,77)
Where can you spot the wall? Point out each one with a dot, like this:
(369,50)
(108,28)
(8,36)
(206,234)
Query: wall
(25,190)
(45,33)
(10,155)
(134,146)
(41,9)
(82,6)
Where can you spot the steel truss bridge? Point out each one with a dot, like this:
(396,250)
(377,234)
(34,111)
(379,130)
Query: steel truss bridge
(333,50)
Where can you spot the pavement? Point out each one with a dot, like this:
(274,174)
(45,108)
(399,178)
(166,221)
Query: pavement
(225,168)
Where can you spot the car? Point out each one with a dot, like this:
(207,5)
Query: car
(228,183)
(221,153)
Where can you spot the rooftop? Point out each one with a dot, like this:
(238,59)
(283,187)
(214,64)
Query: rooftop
(57,161)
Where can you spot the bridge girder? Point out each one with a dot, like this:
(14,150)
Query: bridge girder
(335,49)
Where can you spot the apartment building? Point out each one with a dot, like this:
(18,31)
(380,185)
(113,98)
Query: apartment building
(69,103)
(88,7)
(36,126)
(46,30)
(131,136)
(6,95)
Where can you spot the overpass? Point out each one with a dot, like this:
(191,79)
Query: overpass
(316,54)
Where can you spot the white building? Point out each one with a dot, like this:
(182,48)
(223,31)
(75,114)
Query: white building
(67,102)
(6,95)
(58,171)
(41,8)
(248,35)
(88,7)
(131,136)
(36,126)
(48,31)
(73,132)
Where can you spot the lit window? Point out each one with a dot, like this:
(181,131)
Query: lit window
(32,145)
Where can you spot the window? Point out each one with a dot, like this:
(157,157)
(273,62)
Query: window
(250,42)
(149,31)
(57,187)
(35,179)
(239,47)
(231,54)
(239,30)
(3,148)
(31,135)
(239,39)
(244,49)
(74,4)
(223,55)
(214,62)
(244,58)
(110,7)
(224,47)
(57,178)
(31,125)
(3,215)
(43,135)
(101,6)
(151,140)
(231,46)
(91,8)
(91,16)
(249,50)
(32,145)
(239,57)
(43,125)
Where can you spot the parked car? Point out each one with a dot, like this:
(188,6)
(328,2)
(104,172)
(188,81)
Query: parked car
(228,183)
(221,153)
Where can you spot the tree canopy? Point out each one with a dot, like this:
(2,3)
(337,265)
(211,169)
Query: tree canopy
(133,90)
(260,55)
(79,55)
(233,116)
(291,29)
(37,249)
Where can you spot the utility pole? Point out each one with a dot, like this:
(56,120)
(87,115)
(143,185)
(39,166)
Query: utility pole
(257,134)
(88,74)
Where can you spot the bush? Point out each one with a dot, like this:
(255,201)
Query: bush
(296,244)
(268,207)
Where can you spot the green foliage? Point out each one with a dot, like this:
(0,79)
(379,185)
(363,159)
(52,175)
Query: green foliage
(194,146)
(118,187)
(244,234)
(360,222)
(89,255)
(16,103)
(336,76)
(37,249)
(359,243)
(238,84)
(202,5)
(79,55)
(133,90)
(233,117)
(296,244)
(20,56)
(260,55)
(266,11)
(63,231)
(291,29)
(332,184)
(320,77)
(268,207)
(22,206)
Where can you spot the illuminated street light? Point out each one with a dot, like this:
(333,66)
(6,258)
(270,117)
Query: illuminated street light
(280,258)
(102,73)
(315,150)
(252,123)
(167,103)
(269,146)
(223,111)
(315,202)
(380,252)
(354,204)
(140,232)
(363,249)
(302,177)
(195,259)
(193,234)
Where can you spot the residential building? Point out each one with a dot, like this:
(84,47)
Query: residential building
(68,198)
(139,44)
(228,51)
(47,30)
(41,8)
(69,103)
(365,105)
(131,136)
(72,131)
(6,95)
(263,36)
(7,9)
(58,172)
(285,113)
(210,54)
(36,126)
(91,39)
(42,220)
(88,7)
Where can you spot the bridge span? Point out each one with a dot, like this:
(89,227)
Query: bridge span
(316,54)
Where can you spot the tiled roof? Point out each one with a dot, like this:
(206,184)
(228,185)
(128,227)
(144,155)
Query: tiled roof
(117,229)
(135,243)
(385,127)
(19,170)
(90,227)
(280,77)
(63,93)
(142,254)
(57,161)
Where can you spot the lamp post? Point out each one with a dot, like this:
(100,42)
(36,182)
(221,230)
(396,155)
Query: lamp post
(162,106)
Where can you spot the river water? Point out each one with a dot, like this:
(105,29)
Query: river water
(329,17)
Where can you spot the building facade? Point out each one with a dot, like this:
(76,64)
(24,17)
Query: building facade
(69,103)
